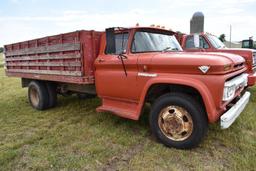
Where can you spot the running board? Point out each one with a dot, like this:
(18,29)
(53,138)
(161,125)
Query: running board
(125,109)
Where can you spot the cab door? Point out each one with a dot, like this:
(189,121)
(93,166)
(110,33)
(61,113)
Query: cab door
(116,75)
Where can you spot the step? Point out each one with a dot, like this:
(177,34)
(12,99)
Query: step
(126,109)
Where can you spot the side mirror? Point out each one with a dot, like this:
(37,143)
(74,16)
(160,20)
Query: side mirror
(196,41)
(110,41)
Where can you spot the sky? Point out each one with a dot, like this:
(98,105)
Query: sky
(28,19)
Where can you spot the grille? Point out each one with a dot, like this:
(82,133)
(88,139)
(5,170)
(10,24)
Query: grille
(239,65)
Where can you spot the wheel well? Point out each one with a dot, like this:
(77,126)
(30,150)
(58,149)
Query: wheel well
(25,82)
(158,90)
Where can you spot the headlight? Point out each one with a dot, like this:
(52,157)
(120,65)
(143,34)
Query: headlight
(229,92)
(253,58)
(234,84)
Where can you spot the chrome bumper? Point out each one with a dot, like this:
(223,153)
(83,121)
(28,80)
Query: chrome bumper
(230,116)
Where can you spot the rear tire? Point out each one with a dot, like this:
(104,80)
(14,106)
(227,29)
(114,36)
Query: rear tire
(52,92)
(38,95)
(177,120)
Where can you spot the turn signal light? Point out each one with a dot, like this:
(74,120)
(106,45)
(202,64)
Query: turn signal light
(227,67)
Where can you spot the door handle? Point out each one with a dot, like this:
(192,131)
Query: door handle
(145,68)
(101,60)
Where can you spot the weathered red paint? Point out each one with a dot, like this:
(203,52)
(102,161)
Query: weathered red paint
(183,72)
(89,42)
(125,96)
(247,54)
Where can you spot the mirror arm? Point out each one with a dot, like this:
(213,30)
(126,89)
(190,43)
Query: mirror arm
(121,57)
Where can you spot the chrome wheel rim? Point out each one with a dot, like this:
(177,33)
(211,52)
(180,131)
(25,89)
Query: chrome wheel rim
(175,123)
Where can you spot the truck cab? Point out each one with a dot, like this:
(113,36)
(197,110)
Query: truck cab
(186,90)
(249,44)
(206,42)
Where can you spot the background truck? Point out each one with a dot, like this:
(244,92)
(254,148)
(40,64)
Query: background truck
(129,67)
(248,43)
(210,43)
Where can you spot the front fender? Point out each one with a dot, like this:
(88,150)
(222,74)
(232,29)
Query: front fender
(186,81)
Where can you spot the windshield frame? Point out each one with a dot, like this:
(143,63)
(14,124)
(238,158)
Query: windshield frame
(156,31)
(212,39)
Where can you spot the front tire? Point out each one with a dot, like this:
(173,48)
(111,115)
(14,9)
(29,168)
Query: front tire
(177,120)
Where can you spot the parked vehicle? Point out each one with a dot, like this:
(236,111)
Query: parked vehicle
(128,67)
(210,43)
(249,43)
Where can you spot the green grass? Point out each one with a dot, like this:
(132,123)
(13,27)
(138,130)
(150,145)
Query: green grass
(73,136)
(1,60)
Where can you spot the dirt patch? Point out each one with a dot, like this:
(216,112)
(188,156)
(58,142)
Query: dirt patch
(124,158)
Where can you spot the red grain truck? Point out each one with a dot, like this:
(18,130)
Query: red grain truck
(128,67)
(210,43)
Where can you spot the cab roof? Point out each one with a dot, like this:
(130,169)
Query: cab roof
(146,28)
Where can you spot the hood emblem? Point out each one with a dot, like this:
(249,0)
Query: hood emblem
(204,68)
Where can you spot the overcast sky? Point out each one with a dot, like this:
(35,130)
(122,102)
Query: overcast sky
(28,19)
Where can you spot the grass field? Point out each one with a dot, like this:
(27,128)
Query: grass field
(1,60)
(73,136)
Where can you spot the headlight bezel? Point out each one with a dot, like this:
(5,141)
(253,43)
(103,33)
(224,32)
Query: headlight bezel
(232,85)
(253,58)
(229,92)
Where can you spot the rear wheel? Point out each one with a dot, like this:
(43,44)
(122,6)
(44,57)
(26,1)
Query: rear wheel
(38,95)
(52,92)
(177,120)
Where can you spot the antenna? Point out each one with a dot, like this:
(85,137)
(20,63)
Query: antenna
(230,31)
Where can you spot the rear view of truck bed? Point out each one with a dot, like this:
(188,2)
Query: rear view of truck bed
(66,57)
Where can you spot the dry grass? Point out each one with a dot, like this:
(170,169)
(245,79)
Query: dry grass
(73,136)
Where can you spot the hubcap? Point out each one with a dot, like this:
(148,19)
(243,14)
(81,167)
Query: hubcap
(34,97)
(175,123)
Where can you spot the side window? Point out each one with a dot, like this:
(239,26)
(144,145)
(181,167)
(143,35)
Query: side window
(203,43)
(121,42)
(190,42)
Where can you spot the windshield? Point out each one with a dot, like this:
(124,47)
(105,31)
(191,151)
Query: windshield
(215,41)
(154,42)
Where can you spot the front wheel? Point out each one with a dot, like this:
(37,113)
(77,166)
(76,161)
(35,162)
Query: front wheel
(177,120)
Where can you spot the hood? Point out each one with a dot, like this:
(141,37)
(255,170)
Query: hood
(242,50)
(189,62)
(246,53)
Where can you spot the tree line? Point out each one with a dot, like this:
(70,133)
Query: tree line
(222,37)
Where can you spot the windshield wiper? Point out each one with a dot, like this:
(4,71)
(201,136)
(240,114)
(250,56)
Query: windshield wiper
(169,48)
(175,49)
(166,49)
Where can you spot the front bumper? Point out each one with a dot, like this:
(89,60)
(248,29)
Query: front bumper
(230,116)
(251,79)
